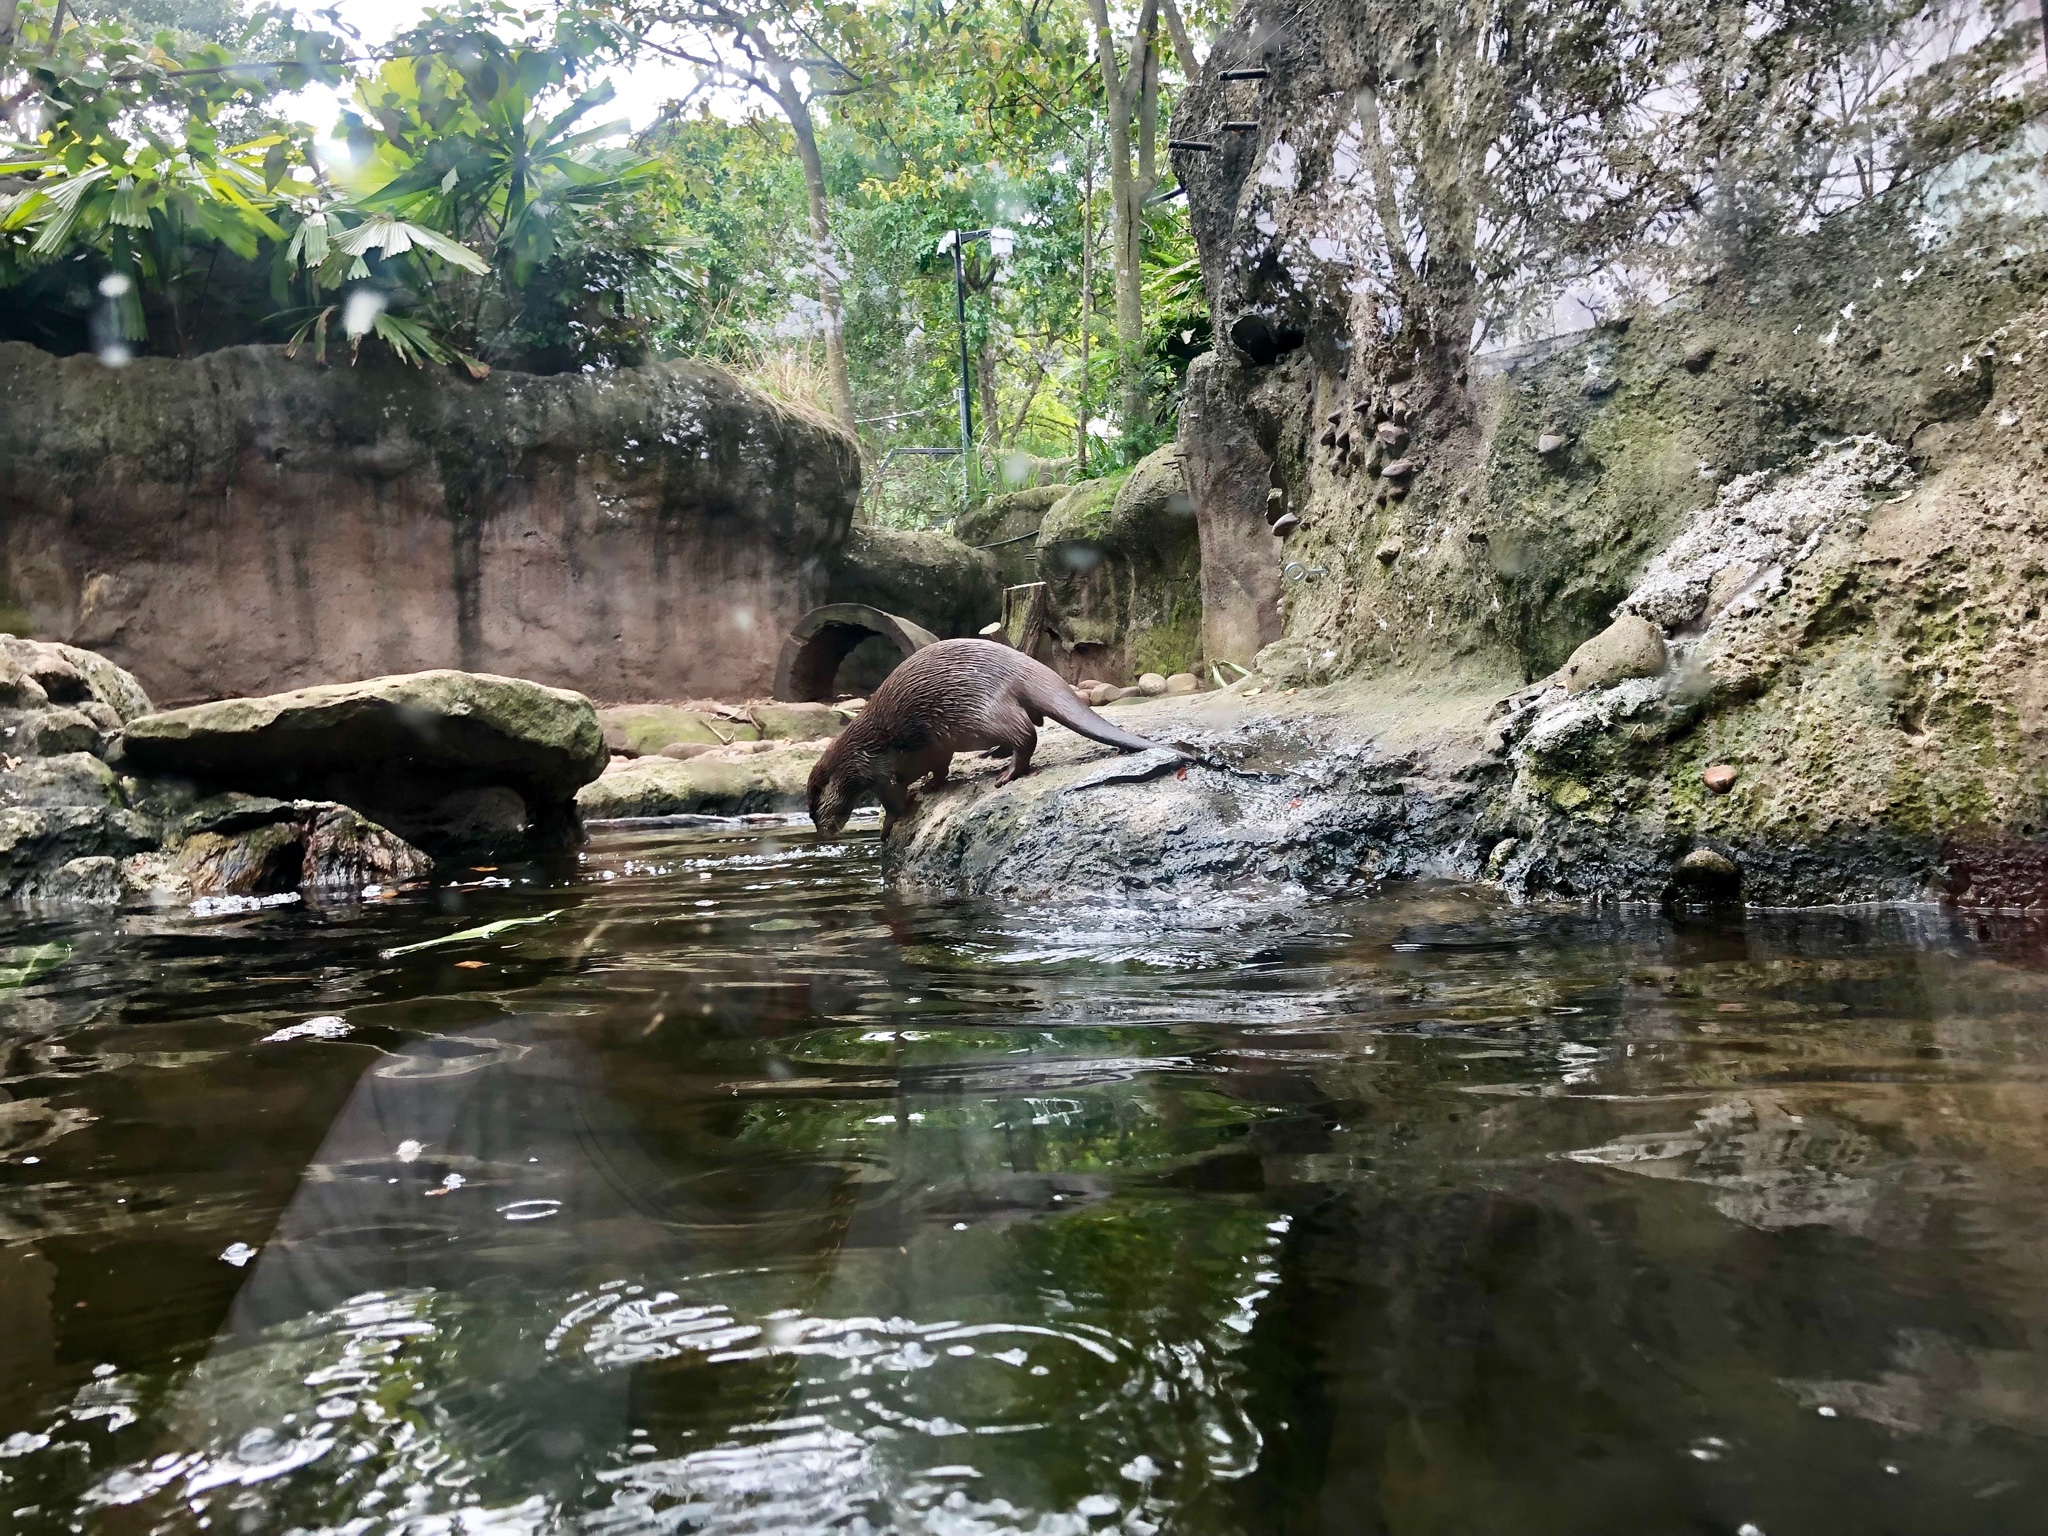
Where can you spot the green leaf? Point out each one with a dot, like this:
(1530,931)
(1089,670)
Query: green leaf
(487,931)
(20,966)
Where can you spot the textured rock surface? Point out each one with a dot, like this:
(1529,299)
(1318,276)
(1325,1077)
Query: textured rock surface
(1812,473)
(1629,647)
(75,830)
(1121,559)
(423,754)
(712,784)
(1007,527)
(242,523)
(931,579)
(798,722)
(1312,796)
(641,730)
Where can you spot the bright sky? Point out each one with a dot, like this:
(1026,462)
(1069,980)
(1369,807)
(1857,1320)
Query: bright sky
(642,90)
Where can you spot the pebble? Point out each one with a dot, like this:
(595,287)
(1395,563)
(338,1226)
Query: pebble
(1285,524)
(1393,435)
(1549,442)
(1720,778)
(1151,684)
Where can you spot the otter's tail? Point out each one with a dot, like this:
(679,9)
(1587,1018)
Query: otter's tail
(1061,705)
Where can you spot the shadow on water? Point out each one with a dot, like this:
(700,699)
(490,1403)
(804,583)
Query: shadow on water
(738,1197)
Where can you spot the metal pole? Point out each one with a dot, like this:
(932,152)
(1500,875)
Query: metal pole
(966,389)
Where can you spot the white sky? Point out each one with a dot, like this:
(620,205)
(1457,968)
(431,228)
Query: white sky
(642,89)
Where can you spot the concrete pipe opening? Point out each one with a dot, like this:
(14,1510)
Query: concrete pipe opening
(826,639)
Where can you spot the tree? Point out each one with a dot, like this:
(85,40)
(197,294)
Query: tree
(774,50)
(1131,108)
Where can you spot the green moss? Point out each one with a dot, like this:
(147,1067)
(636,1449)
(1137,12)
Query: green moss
(1174,645)
(1084,512)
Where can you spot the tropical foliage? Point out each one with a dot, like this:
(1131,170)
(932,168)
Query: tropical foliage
(479,202)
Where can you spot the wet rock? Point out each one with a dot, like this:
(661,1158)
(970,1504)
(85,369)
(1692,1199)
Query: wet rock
(94,881)
(259,862)
(245,845)
(714,784)
(36,840)
(1183,682)
(1709,872)
(1152,685)
(1719,777)
(640,730)
(1317,809)
(798,722)
(394,748)
(344,851)
(1629,647)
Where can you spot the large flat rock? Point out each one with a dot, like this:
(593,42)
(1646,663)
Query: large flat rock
(1315,795)
(712,785)
(432,755)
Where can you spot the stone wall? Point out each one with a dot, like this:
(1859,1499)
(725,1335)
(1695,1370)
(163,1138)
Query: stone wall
(1465,517)
(243,523)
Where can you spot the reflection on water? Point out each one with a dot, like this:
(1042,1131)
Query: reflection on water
(741,1198)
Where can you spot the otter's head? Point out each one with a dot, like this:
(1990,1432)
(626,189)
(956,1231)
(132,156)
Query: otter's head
(831,799)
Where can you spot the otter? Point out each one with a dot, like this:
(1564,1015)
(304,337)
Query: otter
(956,696)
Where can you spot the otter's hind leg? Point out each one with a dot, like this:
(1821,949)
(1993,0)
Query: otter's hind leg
(1014,729)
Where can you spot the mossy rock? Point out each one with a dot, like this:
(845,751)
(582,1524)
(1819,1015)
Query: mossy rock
(700,786)
(641,730)
(1009,516)
(799,722)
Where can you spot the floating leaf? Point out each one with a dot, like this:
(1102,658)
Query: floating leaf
(19,967)
(488,931)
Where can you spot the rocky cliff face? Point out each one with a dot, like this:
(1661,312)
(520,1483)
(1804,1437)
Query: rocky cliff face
(244,523)
(1517,344)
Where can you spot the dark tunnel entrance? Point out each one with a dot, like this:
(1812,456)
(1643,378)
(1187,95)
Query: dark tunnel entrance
(825,638)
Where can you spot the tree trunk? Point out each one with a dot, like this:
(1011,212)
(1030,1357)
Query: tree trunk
(798,112)
(1128,191)
(1087,311)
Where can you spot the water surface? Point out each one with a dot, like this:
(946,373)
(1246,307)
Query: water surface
(737,1197)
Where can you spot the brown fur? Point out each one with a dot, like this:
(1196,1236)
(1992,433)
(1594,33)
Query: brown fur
(956,696)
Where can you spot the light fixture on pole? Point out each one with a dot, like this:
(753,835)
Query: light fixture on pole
(1000,243)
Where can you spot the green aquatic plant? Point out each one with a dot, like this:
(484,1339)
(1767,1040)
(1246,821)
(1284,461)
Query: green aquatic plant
(487,931)
(20,966)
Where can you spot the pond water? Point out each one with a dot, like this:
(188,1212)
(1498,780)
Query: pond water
(736,1196)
